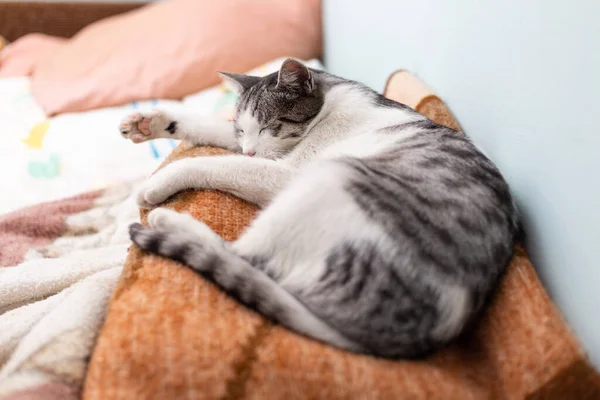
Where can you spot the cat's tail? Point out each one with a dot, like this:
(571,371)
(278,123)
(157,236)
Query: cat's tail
(215,260)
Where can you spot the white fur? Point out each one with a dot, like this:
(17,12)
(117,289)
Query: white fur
(251,131)
(303,206)
(260,180)
(165,218)
(303,192)
(295,180)
(454,304)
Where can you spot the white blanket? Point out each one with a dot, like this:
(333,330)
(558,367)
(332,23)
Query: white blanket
(53,304)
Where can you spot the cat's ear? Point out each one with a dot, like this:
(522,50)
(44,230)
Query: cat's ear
(239,83)
(295,75)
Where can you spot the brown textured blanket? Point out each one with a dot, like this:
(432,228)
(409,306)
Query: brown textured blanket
(170,334)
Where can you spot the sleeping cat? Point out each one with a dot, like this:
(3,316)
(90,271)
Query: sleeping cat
(382,232)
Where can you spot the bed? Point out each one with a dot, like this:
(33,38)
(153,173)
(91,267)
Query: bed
(85,315)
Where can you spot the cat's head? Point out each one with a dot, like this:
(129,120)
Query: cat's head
(274,112)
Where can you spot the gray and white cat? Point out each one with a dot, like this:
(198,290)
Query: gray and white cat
(382,232)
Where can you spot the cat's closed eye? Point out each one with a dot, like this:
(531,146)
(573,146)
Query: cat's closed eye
(238,133)
(297,120)
(288,121)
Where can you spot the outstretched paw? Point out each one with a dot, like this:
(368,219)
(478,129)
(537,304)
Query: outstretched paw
(154,191)
(142,126)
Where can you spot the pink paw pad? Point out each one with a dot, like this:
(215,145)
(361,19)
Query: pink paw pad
(144,126)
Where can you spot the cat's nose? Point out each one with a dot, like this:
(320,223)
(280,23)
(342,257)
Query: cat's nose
(251,153)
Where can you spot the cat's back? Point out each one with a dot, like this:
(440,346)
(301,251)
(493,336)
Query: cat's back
(449,200)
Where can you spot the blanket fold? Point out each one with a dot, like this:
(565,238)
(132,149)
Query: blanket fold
(53,304)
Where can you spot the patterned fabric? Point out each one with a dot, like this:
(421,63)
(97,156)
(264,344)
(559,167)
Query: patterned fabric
(53,158)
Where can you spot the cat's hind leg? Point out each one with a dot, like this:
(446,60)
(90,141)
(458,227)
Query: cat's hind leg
(191,242)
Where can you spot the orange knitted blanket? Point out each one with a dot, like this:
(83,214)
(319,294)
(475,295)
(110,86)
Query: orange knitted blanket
(170,334)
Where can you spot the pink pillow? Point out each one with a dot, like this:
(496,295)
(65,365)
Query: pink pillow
(21,57)
(173,48)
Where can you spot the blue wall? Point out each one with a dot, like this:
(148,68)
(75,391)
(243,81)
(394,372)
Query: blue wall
(523,78)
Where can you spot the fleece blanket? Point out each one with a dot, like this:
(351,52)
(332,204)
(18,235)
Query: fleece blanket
(170,334)
(69,254)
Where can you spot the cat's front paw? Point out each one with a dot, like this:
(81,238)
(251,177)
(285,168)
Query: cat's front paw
(153,192)
(142,126)
(141,197)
